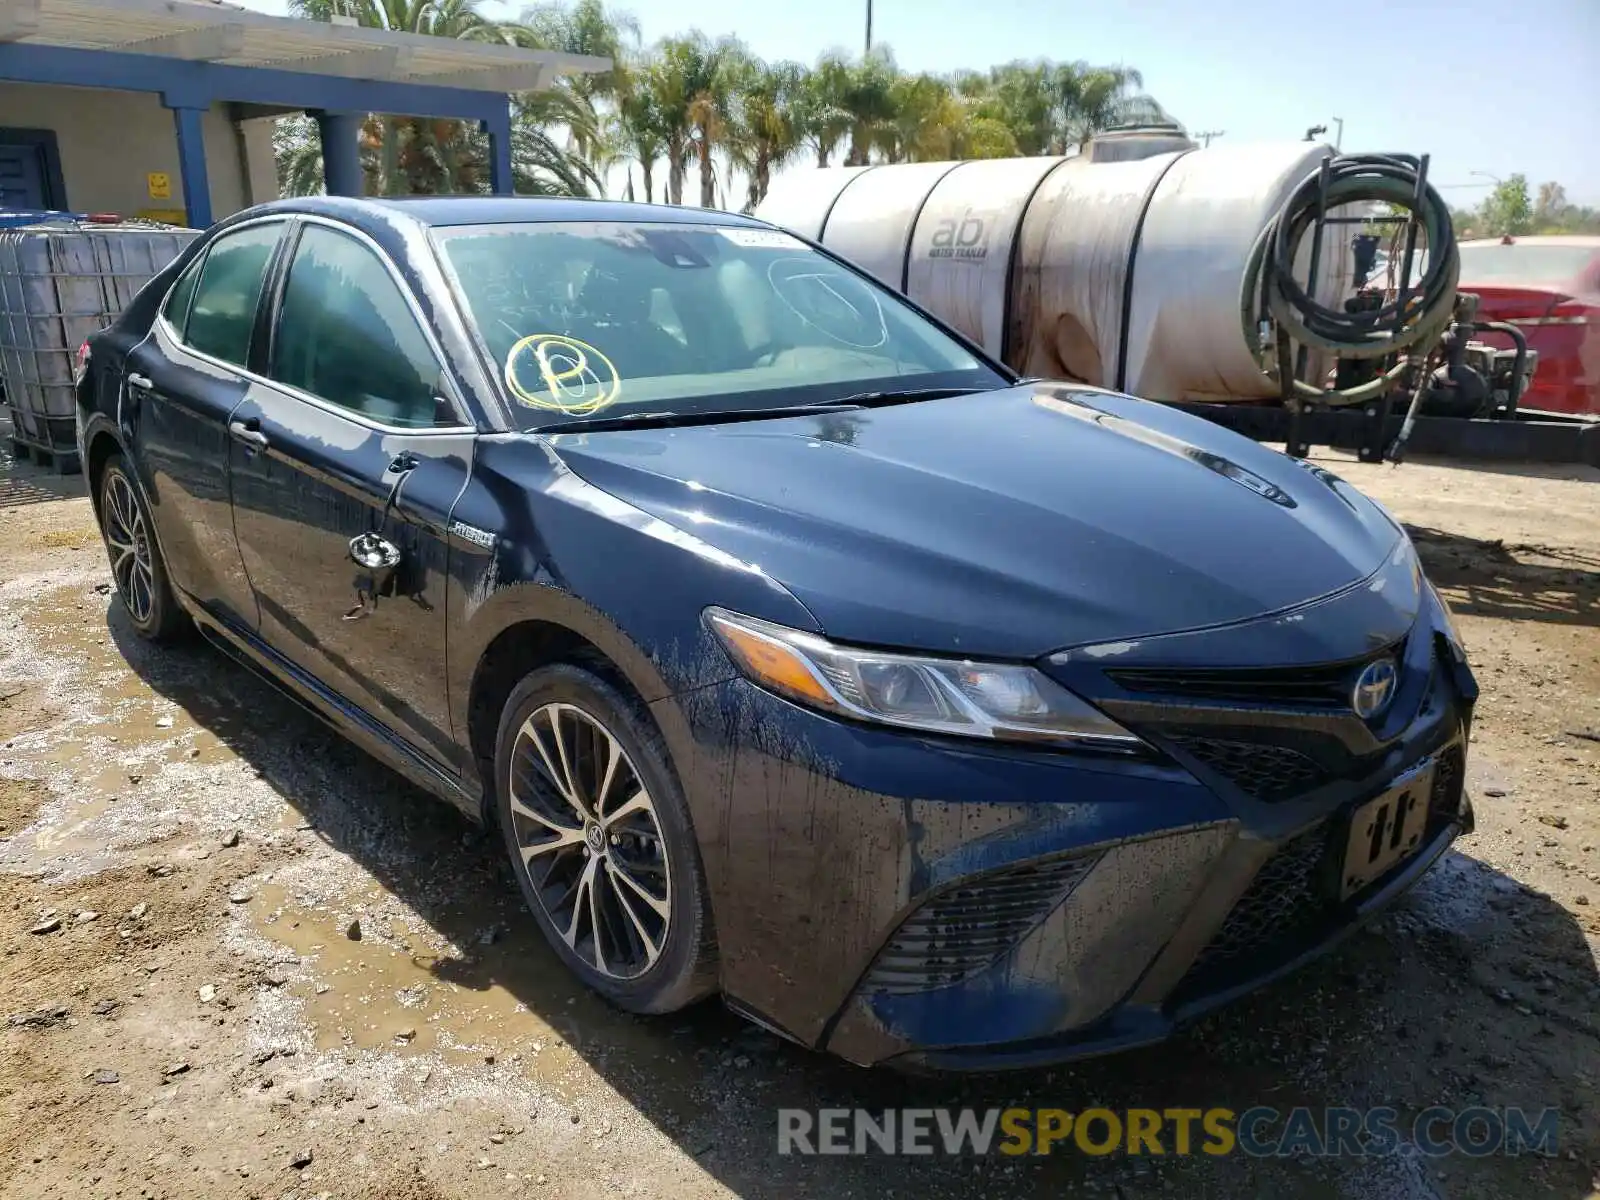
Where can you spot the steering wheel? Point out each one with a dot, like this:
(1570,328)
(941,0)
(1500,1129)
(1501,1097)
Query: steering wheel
(768,350)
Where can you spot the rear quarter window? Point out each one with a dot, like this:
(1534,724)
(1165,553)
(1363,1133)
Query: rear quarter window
(222,315)
(176,309)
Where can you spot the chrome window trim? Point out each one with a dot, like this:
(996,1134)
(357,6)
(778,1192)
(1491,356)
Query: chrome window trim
(200,260)
(449,387)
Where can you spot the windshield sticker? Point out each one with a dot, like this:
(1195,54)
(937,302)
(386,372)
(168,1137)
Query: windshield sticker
(762,239)
(559,373)
(836,304)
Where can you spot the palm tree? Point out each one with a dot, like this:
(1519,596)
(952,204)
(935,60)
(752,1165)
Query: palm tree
(1023,98)
(869,99)
(297,151)
(539,166)
(638,124)
(414,152)
(588,27)
(691,99)
(819,109)
(1092,98)
(713,95)
(406,154)
(768,134)
(670,76)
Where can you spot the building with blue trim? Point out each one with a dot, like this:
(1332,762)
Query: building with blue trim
(164,108)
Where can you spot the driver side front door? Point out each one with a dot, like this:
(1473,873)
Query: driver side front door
(355,433)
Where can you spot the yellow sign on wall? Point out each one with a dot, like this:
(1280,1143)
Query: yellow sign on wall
(160,185)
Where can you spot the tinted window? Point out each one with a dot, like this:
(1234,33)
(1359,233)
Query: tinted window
(177,306)
(1549,264)
(347,335)
(224,309)
(581,317)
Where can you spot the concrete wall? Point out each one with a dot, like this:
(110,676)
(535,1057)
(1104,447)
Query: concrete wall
(111,141)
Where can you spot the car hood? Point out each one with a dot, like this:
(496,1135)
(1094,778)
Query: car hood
(1005,524)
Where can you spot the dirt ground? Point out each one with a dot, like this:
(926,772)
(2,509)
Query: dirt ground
(184,857)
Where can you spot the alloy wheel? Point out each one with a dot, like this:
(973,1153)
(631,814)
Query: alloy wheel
(126,534)
(590,840)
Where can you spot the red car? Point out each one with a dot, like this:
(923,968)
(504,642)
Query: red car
(1550,288)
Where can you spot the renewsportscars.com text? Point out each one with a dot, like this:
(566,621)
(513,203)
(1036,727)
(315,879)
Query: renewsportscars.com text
(1259,1132)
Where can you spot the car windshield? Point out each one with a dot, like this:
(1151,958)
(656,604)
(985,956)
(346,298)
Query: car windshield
(589,318)
(1496,262)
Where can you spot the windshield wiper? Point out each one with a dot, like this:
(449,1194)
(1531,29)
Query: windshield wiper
(645,420)
(882,399)
(860,400)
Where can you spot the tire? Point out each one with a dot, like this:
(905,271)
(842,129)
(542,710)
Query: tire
(655,949)
(137,568)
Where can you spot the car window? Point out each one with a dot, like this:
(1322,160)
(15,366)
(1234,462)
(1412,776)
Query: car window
(223,314)
(584,316)
(176,309)
(1551,264)
(347,335)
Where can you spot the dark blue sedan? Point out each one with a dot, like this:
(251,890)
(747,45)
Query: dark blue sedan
(799,651)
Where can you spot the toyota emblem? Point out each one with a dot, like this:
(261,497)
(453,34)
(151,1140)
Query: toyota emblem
(1374,689)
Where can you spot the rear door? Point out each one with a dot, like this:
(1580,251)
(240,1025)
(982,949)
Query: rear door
(357,434)
(181,386)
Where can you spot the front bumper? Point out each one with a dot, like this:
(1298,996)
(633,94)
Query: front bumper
(929,904)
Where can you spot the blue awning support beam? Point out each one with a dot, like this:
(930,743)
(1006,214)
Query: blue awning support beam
(189,123)
(191,84)
(502,181)
(198,84)
(341,152)
(190,88)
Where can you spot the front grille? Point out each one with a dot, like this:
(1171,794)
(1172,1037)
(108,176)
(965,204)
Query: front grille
(1255,768)
(1324,686)
(1281,909)
(959,932)
(1290,904)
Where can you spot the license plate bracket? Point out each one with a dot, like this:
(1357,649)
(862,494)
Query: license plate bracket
(1386,830)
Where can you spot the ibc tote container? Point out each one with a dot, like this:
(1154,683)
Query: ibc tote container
(60,281)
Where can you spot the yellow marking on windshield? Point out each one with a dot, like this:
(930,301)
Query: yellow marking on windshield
(578,378)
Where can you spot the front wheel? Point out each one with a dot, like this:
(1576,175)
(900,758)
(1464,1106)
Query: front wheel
(136,565)
(601,842)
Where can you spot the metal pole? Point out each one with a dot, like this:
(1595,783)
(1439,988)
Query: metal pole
(869,28)
(189,125)
(1338,135)
(341,153)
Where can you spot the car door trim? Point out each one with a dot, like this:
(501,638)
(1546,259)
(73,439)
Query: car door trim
(294,222)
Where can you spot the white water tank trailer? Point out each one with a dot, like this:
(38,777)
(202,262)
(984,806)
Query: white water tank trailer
(1143,263)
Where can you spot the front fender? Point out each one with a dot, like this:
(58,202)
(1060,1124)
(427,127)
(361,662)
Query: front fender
(533,542)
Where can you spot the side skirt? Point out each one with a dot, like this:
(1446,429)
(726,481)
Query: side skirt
(354,723)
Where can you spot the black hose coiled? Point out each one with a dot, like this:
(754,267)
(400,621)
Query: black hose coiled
(1272,294)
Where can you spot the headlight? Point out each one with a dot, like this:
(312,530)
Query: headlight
(1448,619)
(1001,701)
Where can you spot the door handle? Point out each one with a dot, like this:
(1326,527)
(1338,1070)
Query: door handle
(374,552)
(248,432)
(378,559)
(142,382)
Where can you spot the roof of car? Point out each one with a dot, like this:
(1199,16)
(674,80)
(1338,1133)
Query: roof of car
(1577,240)
(499,210)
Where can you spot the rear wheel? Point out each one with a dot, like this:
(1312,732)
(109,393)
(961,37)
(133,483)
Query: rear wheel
(136,566)
(601,842)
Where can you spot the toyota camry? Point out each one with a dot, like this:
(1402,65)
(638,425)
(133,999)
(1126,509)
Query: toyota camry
(798,651)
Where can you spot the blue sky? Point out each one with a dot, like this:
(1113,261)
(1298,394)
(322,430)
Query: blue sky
(1482,86)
